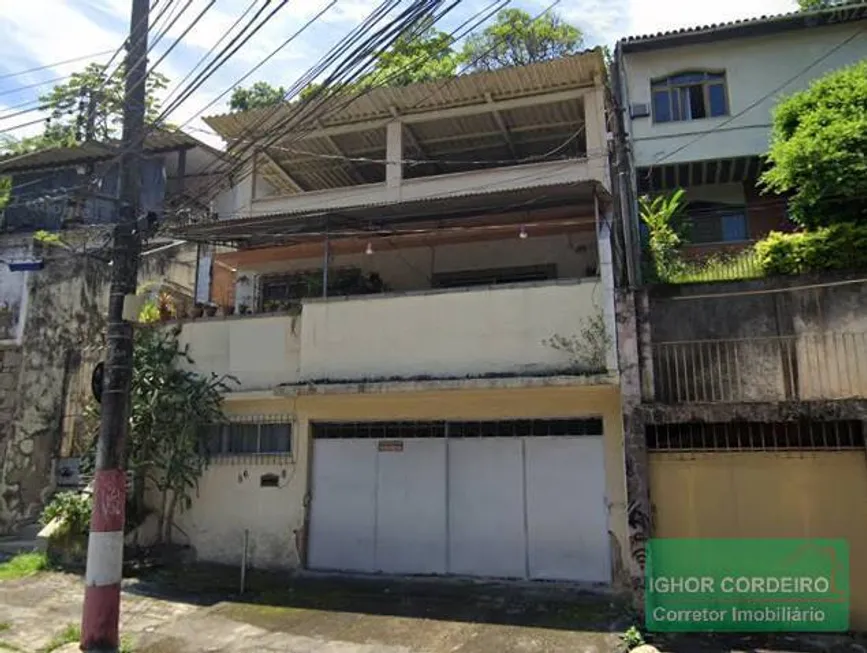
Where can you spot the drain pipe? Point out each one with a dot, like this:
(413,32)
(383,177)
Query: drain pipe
(244,560)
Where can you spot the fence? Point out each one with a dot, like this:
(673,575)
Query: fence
(785,368)
(704,267)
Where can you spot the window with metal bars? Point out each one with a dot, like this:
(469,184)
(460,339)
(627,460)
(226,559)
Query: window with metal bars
(456,429)
(249,438)
(756,436)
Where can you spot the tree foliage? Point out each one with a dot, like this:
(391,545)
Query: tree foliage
(819,149)
(841,246)
(662,215)
(425,54)
(260,94)
(91,96)
(813,5)
(516,39)
(170,408)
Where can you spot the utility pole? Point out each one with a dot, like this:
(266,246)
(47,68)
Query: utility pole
(99,629)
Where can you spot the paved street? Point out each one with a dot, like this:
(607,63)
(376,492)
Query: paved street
(328,615)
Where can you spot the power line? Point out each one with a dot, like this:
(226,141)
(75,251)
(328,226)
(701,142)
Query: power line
(54,65)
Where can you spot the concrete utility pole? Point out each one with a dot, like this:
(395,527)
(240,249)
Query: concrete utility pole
(99,629)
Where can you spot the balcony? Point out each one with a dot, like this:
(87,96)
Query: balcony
(823,366)
(260,351)
(437,334)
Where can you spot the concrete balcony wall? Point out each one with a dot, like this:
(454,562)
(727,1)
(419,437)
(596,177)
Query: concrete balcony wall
(455,333)
(261,351)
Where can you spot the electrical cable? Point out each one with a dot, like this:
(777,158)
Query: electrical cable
(54,65)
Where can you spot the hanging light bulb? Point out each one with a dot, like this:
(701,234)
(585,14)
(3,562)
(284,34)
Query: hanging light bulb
(523,233)
(369,249)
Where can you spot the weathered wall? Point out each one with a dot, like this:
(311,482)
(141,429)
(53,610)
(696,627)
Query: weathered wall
(231,500)
(764,340)
(62,339)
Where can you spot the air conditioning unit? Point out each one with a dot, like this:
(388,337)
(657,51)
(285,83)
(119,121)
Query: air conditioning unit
(639,110)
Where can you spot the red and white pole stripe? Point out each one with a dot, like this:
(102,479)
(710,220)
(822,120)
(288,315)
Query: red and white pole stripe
(99,627)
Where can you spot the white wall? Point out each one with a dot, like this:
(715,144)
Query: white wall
(261,351)
(231,500)
(485,330)
(13,291)
(754,67)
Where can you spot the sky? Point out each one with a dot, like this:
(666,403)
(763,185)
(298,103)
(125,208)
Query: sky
(35,33)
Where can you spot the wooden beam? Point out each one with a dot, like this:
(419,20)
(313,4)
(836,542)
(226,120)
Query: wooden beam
(283,173)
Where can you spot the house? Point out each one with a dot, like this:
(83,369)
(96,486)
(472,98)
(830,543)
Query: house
(744,400)
(54,298)
(419,314)
(696,106)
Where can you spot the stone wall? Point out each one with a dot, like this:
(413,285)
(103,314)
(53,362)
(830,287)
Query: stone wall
(44,383)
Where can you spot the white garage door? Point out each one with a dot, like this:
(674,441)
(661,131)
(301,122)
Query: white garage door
(522,506)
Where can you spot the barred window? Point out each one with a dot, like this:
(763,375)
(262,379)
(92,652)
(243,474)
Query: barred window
(248,438)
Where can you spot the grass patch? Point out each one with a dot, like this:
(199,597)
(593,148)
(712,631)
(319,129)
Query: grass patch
(72,633)
(5,646)
(4,626)
(24,564)
(126,645)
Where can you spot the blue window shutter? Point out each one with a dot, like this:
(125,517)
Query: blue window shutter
(717,94)
(661,106)
(734,227)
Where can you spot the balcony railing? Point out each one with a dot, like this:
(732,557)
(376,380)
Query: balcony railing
(786,368)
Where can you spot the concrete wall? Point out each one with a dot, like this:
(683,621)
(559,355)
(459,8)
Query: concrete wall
(261,351)
(761,340)
(230,499)
(754,67)
(441,334)
(462,332)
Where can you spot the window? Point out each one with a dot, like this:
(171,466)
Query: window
(248,438)
(716,223)
(689,96)
(467,278)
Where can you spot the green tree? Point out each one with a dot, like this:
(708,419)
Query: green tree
(260,94)
(818,145)
(813,5)
(90,97)
(170,410)
(663,216)
(516,39)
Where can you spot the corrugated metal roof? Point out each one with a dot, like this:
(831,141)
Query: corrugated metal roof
(352,156)
(766,24)
(56,157)
(565,73)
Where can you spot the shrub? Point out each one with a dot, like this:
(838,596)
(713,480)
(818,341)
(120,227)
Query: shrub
(73,508)
(841,246)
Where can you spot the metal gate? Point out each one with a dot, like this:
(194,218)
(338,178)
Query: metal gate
(746,480)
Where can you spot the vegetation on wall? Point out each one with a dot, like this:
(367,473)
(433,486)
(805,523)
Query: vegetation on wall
(588,349)
(818,146)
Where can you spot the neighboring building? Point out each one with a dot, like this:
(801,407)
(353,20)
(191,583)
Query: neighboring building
(697,109)
(745,402)
(52,319)
(401,264)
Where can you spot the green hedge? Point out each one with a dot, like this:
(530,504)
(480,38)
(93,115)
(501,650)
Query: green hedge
(841,246)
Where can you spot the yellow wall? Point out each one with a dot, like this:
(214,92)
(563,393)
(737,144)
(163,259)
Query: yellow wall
(764,494)
(552,402)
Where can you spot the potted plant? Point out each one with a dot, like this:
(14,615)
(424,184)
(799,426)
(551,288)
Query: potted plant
(210,310)
(243,309)
(166,307)
(198,310)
